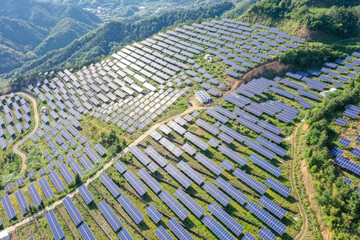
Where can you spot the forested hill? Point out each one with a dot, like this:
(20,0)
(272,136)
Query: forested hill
(332,27)
(29,29)
(317,19)
(100,42)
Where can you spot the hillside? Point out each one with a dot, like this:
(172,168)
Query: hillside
(108,37)
(136,9)
(30,29)
(332,28)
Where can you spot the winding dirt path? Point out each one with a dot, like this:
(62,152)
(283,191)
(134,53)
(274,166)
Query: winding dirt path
(106,166)
(304,228)
(37,120)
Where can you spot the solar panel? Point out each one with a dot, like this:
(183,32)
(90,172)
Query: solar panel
(227,165)
(109,215)
(341,121)
(86,194)
(24,206)
(272,207)
(211,129)
(193,206)
(216,193)
(248,236)
(345,142)
(209,164)
(356,152)
(237,136)
(66,174)
(149,180)
(265,234)
(100,149)
(34,194)
(250,181)
(162,234)
(72,211)
(156,156)
(197,141)
(130,208)
(336,152)
(264,216)
(145,160)
(217,115)
(171,147)
(153,213)
(135,183)
(216,228)
(189,171)
(233,155)
(124,235)
(57,182)
(110,185)
(226,219)
(54,225)
(48,192)
(178,176)
(231,191)
(120,166)
(260,149)
(174,205)
(86,232)
(353,167)
(278,187)
(179,230)
(265,165)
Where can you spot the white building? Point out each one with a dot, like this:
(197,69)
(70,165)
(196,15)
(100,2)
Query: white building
(203,96)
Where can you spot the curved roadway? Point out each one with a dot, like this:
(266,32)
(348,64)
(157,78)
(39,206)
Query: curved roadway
(37,120)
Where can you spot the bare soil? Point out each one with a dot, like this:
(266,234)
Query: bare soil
(310,192)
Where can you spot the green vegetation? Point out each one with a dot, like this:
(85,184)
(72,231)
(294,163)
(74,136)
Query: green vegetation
(311,55)
(29,29)
(332,19)
(339,203)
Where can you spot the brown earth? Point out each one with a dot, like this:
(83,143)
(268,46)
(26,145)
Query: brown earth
(312,34)
(310,192)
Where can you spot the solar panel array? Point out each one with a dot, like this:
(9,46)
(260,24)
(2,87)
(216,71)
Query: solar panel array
(226,219)
(174,205)
(216,193)
(264,216)
(216,228)
(54,225)
(153,213)
(135,183)
(130,208)
(178,230)
(109,215)
(247,179)
(110,185)
(193,206)
(85,232)
(162,234)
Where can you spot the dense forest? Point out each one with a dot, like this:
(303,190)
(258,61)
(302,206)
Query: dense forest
(133,10)
(116,34)
(29,29)
(339,202)
(337,18)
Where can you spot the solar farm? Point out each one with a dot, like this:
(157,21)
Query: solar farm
(203,172)
(346,153)
(16,119)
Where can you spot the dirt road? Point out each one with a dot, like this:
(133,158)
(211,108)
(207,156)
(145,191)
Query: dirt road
(106,166)
(304,228)
(37,120)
